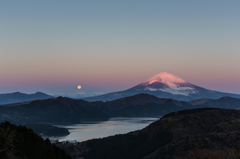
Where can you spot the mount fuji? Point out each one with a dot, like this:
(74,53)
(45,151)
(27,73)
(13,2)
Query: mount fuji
(165,85)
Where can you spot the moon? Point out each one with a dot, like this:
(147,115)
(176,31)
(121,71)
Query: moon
(79,87)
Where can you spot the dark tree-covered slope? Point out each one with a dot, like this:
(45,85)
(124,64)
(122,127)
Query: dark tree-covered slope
(53,111)
(175,135)
(48,130)
(63,110)
(18,142)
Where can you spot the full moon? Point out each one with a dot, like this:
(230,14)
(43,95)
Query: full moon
(79,87)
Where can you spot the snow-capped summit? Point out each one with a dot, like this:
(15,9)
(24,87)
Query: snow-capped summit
(166,85)
(170,83)
(166,78)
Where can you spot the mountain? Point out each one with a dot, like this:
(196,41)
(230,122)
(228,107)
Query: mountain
(189,134)
(165,85)
(58,110)
(18,142)
(224,102)
(143,105)
(62,110)
(17,97)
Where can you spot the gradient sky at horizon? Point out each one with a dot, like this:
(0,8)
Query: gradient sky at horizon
(53,46)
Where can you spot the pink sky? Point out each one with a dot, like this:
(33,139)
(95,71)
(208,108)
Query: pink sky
(55,46)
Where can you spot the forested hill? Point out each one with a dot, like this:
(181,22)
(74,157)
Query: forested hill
(18,142)
(189,134)
(63,110)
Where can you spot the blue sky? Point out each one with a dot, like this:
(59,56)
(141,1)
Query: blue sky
(53,46)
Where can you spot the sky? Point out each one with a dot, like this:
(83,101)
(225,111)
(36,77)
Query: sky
(110,45)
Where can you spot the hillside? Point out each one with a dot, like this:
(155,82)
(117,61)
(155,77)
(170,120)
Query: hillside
(62,110)
(52,111)
(176,135)
(224,102)
(20,142)
(48,130)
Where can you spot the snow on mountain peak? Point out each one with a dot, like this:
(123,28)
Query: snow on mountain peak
(166,78)
(169,83)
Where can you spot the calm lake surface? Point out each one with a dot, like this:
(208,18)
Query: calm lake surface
(90,130)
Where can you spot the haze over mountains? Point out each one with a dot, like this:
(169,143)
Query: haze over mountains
(162,85)
(17,97)
(165,85)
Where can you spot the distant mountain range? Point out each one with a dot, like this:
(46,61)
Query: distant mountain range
(224,102)
(17,97)
(189,134)
(165,85)
(63,110)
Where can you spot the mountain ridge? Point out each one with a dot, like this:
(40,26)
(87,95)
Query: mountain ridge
(16,97)
(71,111)
(74,111)
(223,102)
(165,85)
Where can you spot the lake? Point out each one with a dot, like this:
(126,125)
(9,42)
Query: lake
(90,130)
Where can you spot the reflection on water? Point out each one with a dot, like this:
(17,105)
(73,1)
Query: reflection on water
(90,130)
